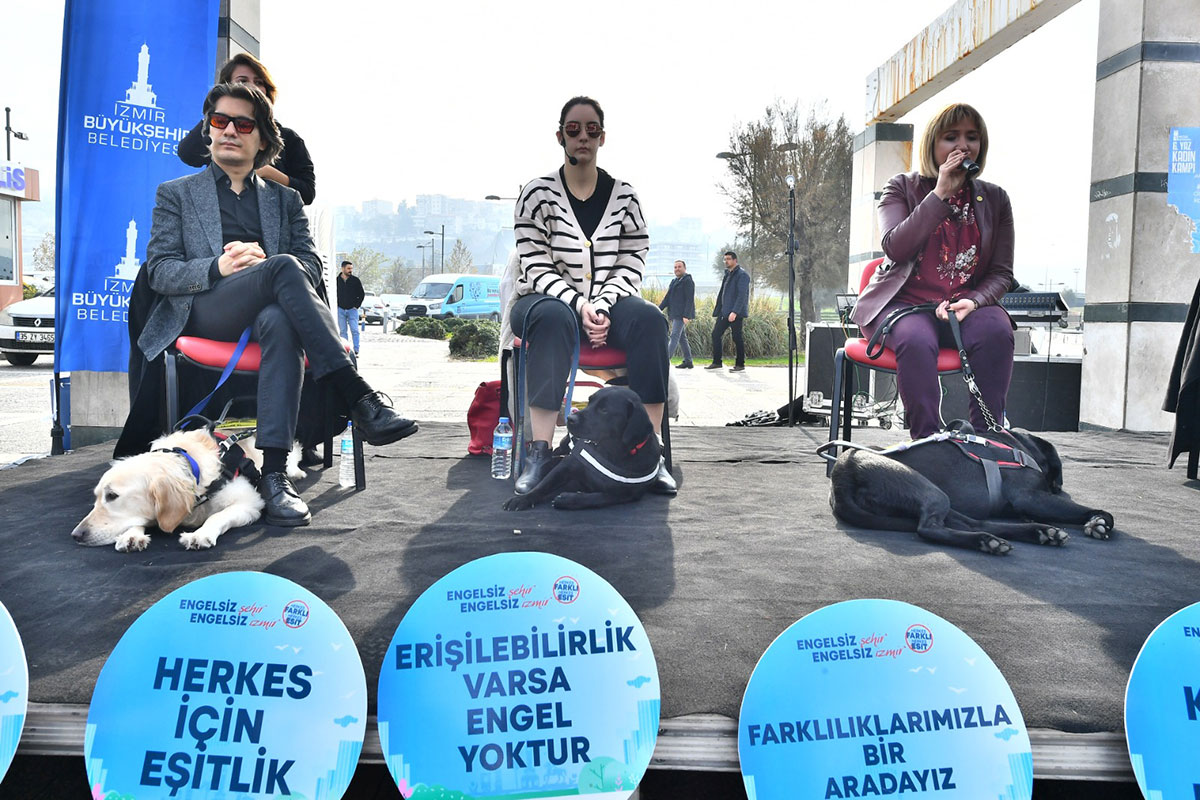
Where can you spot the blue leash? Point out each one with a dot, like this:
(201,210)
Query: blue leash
(233,360)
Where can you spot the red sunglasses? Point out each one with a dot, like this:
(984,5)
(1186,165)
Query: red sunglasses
(573,129)
(240,124)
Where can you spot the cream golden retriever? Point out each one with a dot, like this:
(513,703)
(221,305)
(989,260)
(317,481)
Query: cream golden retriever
(158,488)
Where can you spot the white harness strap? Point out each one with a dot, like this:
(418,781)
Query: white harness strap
(608,473)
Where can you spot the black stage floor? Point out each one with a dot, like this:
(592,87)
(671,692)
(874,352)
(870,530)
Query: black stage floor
(748,547)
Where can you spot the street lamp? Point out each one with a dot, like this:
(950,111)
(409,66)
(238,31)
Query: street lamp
(422,247)
(9,133)
(435,233)
(779,148)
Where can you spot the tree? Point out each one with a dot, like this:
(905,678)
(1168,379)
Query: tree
(43,254)
(370,266)
(461,259)
(821,165)
(400,277)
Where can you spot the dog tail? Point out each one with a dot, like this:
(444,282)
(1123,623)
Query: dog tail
(848,481)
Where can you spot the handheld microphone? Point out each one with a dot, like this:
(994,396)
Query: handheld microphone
(970,166)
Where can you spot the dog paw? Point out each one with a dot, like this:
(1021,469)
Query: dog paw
(197,540)
(1055,537)
(518,502)
(1099,526)
(993,545)
(132,542)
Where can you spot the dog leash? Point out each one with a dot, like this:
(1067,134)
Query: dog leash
(969,375)
(875,347)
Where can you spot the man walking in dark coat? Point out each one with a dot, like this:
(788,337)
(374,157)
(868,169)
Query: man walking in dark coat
(733,306)
(680,305)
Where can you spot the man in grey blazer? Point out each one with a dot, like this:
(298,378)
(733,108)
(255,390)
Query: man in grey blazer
(229,250)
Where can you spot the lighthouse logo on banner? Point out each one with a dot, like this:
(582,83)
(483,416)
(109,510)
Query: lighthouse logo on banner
(135,73)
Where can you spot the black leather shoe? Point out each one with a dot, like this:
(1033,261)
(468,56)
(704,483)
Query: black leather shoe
(715,365)
(684,365)
(283,504)
(537,466)
(309,457)
(738,368)
(378,422)
(664,481)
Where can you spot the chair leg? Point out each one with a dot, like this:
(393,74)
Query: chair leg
(360,467)
(518,389)
(835,403)
(849,386)
(171,384)
(326,405)
(666,436)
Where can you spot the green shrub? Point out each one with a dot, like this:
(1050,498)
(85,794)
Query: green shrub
(423,328)
(475,339)
(453,323)
(28,290)
(764,331)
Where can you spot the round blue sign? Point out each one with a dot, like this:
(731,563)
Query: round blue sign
(518,675)
(239,685)
(14,689)
(1162,709)
(871,698)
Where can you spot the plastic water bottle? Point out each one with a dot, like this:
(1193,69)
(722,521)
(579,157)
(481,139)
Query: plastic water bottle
(502,445)
(346,458)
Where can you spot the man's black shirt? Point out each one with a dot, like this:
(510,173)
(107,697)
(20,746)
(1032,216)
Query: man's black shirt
(350,292)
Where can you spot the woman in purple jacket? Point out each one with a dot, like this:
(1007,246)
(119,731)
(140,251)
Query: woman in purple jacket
(948,238)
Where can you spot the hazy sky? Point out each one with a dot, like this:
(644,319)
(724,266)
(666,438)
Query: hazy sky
(461,97)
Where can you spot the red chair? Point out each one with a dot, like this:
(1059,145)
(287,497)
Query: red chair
(592,360)
(841,412)
(213,356)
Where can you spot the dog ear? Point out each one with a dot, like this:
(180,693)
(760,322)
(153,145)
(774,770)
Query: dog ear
(1052,462)
(172,501)
(638,428)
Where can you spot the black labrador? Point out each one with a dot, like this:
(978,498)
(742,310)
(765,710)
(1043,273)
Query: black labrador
(613,459)
(940,491)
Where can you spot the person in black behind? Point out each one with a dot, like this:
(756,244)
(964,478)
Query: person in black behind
(733,306)
(680,304)
(350,296)
(292,167)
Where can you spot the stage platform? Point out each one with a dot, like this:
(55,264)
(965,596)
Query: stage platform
(748,547)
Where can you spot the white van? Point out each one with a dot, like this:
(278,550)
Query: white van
(450,295)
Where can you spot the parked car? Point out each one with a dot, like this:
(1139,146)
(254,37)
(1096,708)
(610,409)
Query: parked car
(27,329)
(375,310)
(450,295)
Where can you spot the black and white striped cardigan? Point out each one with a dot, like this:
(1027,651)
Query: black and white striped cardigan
(556,259)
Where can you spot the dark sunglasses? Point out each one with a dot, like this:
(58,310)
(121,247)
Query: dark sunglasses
(573,129)
(240,124)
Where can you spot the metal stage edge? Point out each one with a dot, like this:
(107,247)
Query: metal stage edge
(696,742)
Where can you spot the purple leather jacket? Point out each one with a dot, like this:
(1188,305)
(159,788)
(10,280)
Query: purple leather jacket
(909,212)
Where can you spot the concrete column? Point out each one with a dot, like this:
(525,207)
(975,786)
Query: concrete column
(100,400)
(238,30)
(881,151)
(1141,270)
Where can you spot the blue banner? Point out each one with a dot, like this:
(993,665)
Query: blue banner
(1183,178)
(134,76)
(1162,709)
(14,689)
(519,675)
(871,698)
(239,686)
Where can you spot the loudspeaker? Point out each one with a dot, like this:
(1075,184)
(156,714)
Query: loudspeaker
(822,343)
(1044,395)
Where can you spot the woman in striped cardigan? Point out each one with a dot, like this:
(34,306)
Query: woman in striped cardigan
(582,243)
